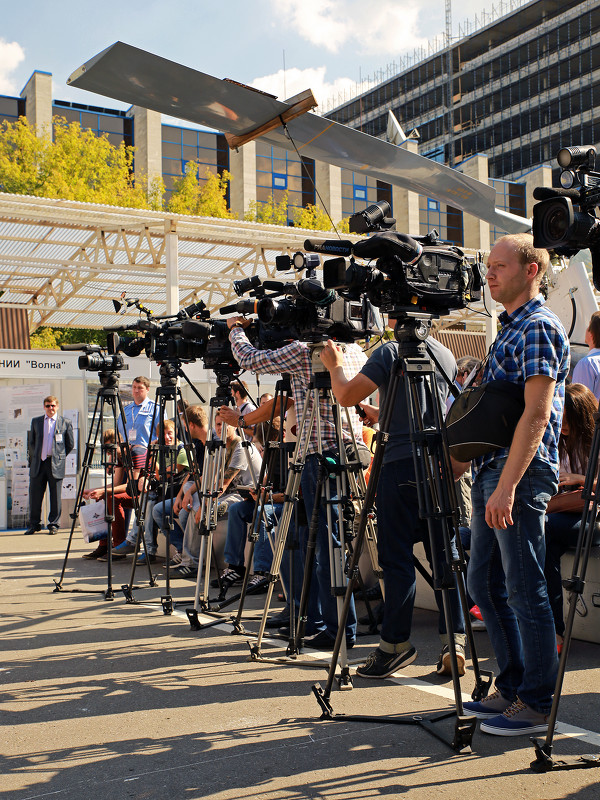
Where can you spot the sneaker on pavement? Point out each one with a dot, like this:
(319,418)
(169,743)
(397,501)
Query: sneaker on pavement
(258,583)
(175,561)
(97,553)
(518,720)
(124,549)
(444,665)
(489,707)
(189,572)
(229,577)
(115,556)
(382,665)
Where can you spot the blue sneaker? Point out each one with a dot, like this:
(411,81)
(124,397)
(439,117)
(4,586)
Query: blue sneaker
(123,549)
(518,720)
(489,707)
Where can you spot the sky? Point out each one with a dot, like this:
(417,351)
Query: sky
(324,45)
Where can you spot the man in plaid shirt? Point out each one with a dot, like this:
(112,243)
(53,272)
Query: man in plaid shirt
(511,489)
(295,359)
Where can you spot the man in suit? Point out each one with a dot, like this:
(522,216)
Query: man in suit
(50,442)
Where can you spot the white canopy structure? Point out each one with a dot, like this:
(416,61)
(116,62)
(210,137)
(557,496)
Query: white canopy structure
(64,261)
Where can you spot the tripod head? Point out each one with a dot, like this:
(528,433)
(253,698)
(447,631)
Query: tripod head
(411,330)
(225,374)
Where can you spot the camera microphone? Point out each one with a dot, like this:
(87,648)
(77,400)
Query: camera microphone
(274,286)
(331,247)
(548,193)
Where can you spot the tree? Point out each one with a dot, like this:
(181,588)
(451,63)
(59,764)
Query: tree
(270,212)
(46,338)
(204,200)
(315,219)
(74,165)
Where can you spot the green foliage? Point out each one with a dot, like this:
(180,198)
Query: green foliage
(269,213)
(200,199)
(52,338)
(75,165)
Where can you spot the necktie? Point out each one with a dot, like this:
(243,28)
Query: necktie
(48,436)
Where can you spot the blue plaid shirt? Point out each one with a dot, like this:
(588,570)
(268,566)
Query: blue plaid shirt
(532,341)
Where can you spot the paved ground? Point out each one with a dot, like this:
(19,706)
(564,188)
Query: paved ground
(107,700)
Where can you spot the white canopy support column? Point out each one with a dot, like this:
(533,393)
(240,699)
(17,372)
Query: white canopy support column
(172,266)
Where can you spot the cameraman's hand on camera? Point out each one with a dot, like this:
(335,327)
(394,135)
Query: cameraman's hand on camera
(229,415)
(332,356)
(242,320)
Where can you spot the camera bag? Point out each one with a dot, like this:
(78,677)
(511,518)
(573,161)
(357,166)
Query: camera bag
(484,418)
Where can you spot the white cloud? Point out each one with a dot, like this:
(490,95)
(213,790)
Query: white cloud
(387,28)
(295,80)
(11,55)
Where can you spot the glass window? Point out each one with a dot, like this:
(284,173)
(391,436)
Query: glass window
(432,205)
(171,150)
(360,193)
(171,134)
(188,152)
(89,120)
(111,124)
(279,181)
(188,137)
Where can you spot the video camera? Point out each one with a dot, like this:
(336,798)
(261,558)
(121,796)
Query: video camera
(412,273)
(186,336)
(556,224)
(302,310)
(95,360)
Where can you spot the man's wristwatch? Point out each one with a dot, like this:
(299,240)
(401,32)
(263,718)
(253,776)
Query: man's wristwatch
(237,324)
(241,422)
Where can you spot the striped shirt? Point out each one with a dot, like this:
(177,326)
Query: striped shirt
(295,359)
(532,341)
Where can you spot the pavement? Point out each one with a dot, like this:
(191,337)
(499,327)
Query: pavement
(106,699)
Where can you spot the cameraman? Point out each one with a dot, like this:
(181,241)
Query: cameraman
(295,358)
(511,489)
(398,522)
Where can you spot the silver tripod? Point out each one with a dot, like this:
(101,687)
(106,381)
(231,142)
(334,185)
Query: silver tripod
(346,476)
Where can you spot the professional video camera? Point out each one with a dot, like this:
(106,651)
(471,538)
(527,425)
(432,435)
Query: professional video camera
(556,224)
(412,273)
(95,360)
(302,310)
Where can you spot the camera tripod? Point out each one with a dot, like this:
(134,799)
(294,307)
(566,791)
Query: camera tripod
(574,586)
(331,467)
(107,396)
(165,456)
(274,464)
(436,501)
(213,473)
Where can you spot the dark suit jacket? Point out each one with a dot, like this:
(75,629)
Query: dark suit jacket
(60,449)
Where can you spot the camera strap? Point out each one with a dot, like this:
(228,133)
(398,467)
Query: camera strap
(454,391)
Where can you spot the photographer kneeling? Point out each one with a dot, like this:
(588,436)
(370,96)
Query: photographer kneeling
(295,358)
(398,522)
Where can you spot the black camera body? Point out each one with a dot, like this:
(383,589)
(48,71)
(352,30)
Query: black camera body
(565,219)
(411,273)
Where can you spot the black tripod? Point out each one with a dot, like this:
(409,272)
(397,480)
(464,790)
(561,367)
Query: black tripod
(436,501)
(575,586)
(168,395)
(107,396)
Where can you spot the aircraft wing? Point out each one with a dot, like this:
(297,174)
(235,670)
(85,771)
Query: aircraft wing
(135,76)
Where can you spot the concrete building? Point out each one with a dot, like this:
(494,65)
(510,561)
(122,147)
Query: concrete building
(261,172)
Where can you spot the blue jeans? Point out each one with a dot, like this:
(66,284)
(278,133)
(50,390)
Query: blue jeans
(399,527)
(161,513)
(506,580)
(149,540)
(327,602)
(240,514)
